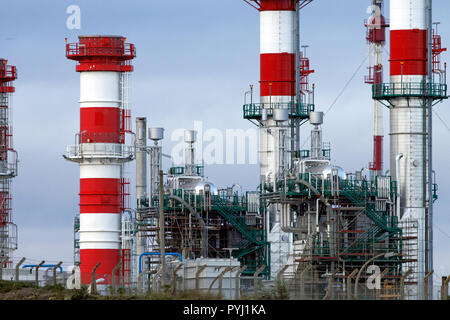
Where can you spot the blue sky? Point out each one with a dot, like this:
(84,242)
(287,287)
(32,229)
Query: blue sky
(194,61)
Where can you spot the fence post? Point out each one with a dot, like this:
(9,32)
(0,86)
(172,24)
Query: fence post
(221,278)
(54,272)
(3,261)
(425,285)
(238,274)
(402,283)
(329,295)
(197,274)
(113,278)
(446,288)
(280,273)
(17,268)
(174,278)
(255,278)
(37,272)
(154,280)
(349,283)
(93,283)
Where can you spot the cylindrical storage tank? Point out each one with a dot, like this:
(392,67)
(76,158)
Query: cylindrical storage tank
(156,134)
(190,136)
(316,118)
(281,114)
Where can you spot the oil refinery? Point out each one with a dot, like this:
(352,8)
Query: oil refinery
(310,229)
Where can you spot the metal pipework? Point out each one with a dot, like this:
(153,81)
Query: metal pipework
(162,244)
(141,178)
(397,173)
(155,134)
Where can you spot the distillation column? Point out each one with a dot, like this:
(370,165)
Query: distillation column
(101,151)
(409,116)
(278,93)
(8,164)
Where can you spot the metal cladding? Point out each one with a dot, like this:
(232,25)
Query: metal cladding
(8,162)
(277,48)
(410,122)
(101,151)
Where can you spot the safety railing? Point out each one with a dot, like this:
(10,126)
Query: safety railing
(296,110)
(125,51)
(409,89)
(100,150)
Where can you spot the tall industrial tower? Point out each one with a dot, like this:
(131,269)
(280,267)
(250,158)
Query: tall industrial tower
(376,38)
(281,109)
(104,63)
(8,163)
(411,95)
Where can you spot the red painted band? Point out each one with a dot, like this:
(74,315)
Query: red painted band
(98,195)
(377,153)
(7,89)
(277,69)
(278,5)
(100,125)
(409,47)
(103,67)
(108,258)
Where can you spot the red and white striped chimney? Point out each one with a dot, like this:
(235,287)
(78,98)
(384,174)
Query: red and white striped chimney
(101,151)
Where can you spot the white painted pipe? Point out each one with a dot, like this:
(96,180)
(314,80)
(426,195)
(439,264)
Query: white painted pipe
(397,172)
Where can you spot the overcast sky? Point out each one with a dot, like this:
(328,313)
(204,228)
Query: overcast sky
(195,59)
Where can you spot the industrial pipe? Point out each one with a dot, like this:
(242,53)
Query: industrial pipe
(157,254)
(397,174)
(43,266)
(200,220)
